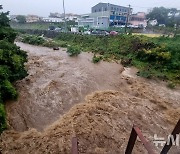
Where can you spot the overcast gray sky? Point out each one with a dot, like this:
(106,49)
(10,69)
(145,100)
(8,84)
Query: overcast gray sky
(44,7)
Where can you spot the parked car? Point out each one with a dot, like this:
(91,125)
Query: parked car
(94,32)
(105,33)
(119,26)
(113,33)
(58,29)
(162,25)
(130,26)
(51,28)
(100,32)
(87,32)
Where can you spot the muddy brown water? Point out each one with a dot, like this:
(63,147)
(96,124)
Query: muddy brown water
(55,83)
(53,100)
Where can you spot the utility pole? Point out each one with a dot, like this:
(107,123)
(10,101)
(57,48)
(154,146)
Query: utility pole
(127,18)
(65,24)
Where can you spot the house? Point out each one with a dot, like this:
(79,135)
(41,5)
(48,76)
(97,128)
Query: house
(32,18)
(153,22)
(52,20)
(72,17)
(138,20)
(69,16)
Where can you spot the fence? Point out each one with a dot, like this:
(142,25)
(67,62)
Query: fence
(136,132)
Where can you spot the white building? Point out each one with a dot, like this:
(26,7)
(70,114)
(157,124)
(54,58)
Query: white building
(153,22)
(32,18)
(52,20)
(95,20)
(104,15)
(138,19)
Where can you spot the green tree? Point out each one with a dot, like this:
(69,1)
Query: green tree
(160,14)
(21,18)
(164,16)
(4,20)
(12,61)
(5,30)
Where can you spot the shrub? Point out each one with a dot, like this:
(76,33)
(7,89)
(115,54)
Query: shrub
(73,50)
(160,54)
(63,44)
(50,44)
(145,74)
(34,40)
(2,118)
(171,85)
(12,68)
(96,59)
(8,34)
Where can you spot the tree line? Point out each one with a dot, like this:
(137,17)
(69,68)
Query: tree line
(12,68)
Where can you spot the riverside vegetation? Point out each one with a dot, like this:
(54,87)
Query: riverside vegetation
(12,61)
(154,57)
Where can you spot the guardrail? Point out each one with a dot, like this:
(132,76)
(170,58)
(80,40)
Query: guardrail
(133,137)
(74,145)
(168,146)
(136,132)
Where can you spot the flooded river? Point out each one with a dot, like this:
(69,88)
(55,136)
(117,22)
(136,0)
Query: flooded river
(55,83)
(53,106)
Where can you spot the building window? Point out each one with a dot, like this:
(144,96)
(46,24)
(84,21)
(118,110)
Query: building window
(111,8)
(117,9)
(105,9)
(94,10)
(99,10)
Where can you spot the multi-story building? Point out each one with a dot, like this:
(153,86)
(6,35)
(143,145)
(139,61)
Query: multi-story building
(32,18)
(104,15)
(138,19)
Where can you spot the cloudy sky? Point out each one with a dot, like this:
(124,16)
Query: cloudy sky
(44,7)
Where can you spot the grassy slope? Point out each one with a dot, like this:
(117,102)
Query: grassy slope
(41,26)
(155,57)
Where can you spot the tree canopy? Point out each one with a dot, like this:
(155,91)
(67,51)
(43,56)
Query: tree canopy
(12,68)
(21,18)
(166,16)
(4,20)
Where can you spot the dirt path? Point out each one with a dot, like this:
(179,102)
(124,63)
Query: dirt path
(56,90)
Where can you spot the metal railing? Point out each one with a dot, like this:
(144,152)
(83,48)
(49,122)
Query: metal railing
(136,132)
(74,145)
(133,137)
(168,146)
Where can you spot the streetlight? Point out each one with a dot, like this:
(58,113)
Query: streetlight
(65,24)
